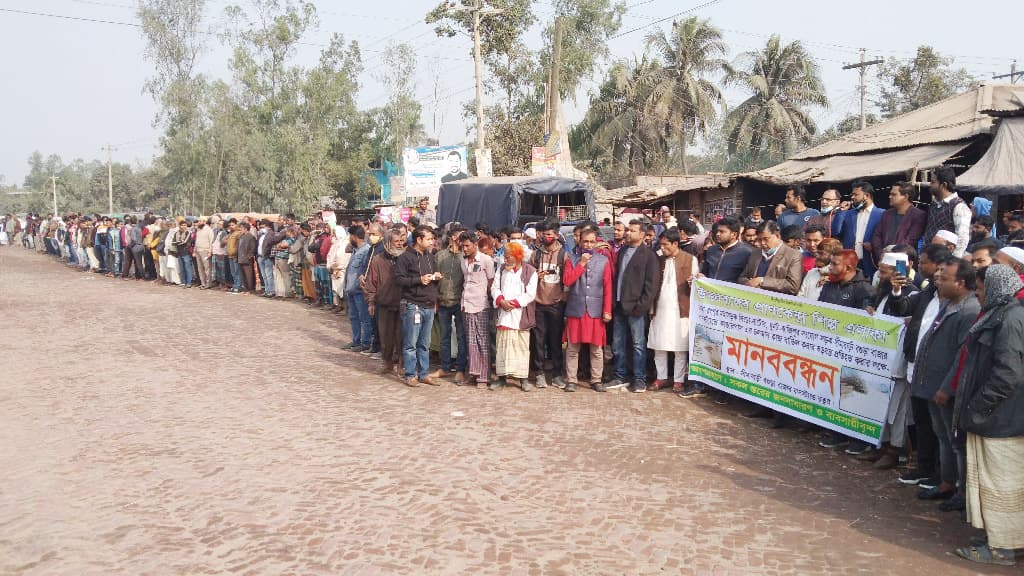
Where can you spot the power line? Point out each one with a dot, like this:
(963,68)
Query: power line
(665,19)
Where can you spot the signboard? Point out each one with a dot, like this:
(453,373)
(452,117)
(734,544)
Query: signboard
(424,169)
(540,163)
(828,365)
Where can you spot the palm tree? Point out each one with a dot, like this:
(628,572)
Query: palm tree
(617,133)
(681,96)
(783,80)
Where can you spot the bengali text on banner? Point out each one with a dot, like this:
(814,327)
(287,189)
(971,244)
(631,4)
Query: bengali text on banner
(825,364)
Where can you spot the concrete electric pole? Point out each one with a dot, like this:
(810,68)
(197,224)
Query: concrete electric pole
(110,180)
(54,180)
(1012,75)
(482,153)
(863,65)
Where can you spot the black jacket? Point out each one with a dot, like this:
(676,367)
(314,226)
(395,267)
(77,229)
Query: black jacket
(940,349)
(641,278)
(913,305)
(855,293)
(990,395)
(409,267)
(726,265)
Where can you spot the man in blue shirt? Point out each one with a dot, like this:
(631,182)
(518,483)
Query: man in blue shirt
(797,213)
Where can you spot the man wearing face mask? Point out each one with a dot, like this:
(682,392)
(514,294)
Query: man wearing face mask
(549,260)
(858,225)
(831,213)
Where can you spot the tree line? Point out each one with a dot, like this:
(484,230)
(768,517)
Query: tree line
(278,135)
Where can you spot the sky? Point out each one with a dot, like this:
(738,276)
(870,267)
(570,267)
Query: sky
(72,86)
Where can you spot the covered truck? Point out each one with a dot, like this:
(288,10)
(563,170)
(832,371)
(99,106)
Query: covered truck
(514,201)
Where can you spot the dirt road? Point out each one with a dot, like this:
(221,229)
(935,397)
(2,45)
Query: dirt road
(156,430)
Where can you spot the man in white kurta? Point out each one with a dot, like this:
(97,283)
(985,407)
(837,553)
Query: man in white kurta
(670,326)
(514,292)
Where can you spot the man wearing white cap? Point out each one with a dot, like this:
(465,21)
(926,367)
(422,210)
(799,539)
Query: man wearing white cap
(1012,257)
(945,238)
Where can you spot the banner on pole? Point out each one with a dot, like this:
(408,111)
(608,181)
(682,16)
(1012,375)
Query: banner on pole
(825,364)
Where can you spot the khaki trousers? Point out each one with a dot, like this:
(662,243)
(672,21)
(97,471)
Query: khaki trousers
(572,362)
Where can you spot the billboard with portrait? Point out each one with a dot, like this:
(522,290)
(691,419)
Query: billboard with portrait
(424,169)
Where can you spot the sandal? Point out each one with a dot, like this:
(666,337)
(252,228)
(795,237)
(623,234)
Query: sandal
(986,555)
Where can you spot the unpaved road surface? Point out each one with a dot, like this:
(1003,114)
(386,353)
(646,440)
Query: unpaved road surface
(156,430)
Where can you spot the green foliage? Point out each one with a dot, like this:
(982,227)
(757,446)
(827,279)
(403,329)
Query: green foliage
(512,138)
(926,79)
(783,80)
(589,24)
(681,96)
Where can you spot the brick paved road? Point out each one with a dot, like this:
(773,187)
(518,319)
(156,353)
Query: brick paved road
(182,441)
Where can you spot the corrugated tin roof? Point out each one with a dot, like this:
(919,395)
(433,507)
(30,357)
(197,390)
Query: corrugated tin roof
(652,188)
(956,118)
(848,168)
(1001,169)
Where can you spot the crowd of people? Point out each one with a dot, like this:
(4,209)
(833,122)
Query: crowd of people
(537,309)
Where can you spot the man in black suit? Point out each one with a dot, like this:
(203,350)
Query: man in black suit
(638,277)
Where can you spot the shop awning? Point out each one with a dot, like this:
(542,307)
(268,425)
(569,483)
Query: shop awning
(853,167)
(1001,170)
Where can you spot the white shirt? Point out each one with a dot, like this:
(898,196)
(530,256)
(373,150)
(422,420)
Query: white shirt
(510,286)
(810,289)
(863,216)
(961,225)
(930,313)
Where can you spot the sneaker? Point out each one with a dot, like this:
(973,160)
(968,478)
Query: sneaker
(638,388)
(541,381)
(494,385)
(614,384)
(525,384)
(570,387)
(373,355)
(559,382)
(721,398)
(598,387)
(834,440)
(913,477)
(349,346)
(935,494)
(929,483)
(857,447)
(357,348)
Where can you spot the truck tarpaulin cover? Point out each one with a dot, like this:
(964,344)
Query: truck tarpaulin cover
(495,201)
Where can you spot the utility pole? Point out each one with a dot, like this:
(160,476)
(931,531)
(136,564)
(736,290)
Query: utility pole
(863,65)
(1012,75)
(110,179)
(478,10)
(54,180)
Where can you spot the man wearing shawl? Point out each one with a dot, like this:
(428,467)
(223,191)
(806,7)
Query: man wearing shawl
(514,292)
(989,405)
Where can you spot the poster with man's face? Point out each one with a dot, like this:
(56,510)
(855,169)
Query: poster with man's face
(427,167)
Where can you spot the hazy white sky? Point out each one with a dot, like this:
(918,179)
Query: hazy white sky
(72,86)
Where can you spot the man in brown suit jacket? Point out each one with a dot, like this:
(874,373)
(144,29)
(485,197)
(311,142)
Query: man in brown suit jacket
(776,267)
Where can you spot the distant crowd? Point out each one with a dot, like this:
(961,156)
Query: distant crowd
(532,309)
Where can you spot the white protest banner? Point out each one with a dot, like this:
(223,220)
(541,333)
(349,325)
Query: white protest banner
(828,365)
